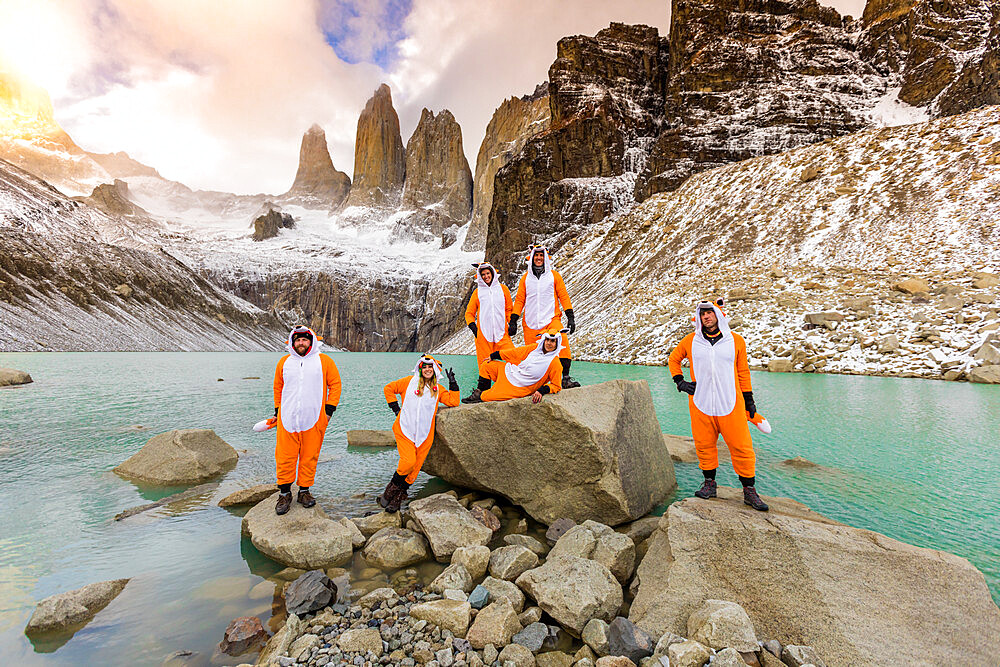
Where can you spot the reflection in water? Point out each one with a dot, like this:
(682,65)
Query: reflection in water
(899,454)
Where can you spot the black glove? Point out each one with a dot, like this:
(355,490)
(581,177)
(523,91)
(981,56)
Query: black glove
(330,409)
(751,406)
(452,382)
(683,385)
(473,328)
(276,412)
(570,320)
(394,406)
(544,389)
(495,356)
(512,327)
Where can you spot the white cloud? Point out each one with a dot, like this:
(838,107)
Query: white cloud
(217,94)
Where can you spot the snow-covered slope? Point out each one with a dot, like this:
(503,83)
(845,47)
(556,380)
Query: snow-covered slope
(73,278)
(827,227)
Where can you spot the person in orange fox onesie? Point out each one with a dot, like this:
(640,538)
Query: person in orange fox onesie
(530,370)
(721,398)
(414,426)
(542,298)
(488,311)
(306,393)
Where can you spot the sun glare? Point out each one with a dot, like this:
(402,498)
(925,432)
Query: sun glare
(37,43)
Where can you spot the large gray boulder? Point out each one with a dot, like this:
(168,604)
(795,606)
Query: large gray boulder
(857,596)
(448,525)
(573,590)
(185,456)
(74,608)
(305,538)
(10,376)
(393,548)
(595,452)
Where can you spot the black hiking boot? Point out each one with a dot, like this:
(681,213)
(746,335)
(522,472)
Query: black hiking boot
(284,503)
(305,498)
(708,489)
(398,498)
(474,397)
(383,498)
(569,383)
(751,498)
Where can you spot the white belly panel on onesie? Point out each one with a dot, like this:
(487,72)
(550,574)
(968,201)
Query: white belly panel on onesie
(714,369)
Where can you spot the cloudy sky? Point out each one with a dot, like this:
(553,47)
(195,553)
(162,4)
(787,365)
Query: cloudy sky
(217,94)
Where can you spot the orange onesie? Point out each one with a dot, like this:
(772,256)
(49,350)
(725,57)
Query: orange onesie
(540,303)
(414,425)
(523,371)
(303,386)
(717,408)
(490,308)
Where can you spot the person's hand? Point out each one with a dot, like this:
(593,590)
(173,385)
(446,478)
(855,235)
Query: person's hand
(512,326)
(686,387)
(474,329)
(571,320)
(330,409)
(537,396)
(751,406)
(394,406)
(452,382)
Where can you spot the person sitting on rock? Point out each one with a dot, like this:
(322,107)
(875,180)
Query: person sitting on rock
(542,298)
(488,311)
(415,413)
(530,370)
(721,398)
(306,393)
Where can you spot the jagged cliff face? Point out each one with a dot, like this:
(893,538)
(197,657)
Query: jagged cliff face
(379,159)
(317,181)
(113,199)
(514,122)
(438,185)
(886,37)
(605,101)
(74,278)
(755,77)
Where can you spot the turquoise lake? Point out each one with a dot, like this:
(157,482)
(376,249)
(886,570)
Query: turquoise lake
(917,460)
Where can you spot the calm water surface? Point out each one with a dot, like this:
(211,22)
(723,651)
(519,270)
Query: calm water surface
(917,460)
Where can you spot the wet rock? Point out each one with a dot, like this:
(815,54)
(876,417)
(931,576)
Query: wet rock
(557,529)
(369,438)
(627,639)
(517,655)
(310,592)
(451,615)
(10,376)
(573,590)
(186,456)
(393,548)
(242,635)
(305,538)
(511,561)
(454,576)
(369,525)
(840,565)
(499,588)
(688,653)
(800,463)
(621,468)
(719,624)
(527,542)
(494,624)
(476,559)
(447,524)
(249,496)
(64,611)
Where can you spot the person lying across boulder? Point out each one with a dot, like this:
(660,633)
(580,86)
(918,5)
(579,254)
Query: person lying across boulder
(529,370)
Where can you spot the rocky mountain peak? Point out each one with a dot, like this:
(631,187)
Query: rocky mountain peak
(317,181)
(439,181)
(379,158)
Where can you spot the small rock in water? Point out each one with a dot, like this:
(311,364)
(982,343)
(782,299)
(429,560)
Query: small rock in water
(242,635)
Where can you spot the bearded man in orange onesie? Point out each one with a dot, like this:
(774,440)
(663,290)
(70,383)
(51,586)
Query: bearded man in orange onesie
(306,393)
(721,398)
